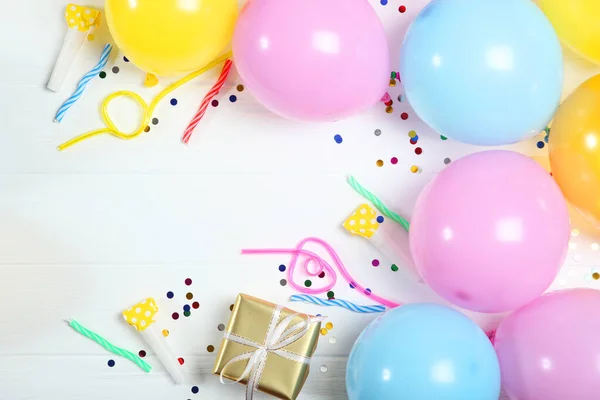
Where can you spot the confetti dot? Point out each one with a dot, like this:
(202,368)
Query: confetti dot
(596,276)
(332,340)
(443,137)
(282,268)
(394,160)
(195,305)
(186,307)
(154,121)
(413,140)
(307,283)
(125,59)
(322,275)
(400,98)
(187,313)
(323,368)
(447,161)
(379,163)
(240,88)
(170,295)
(214,103)
(383,2)
(111,363)
(329,326)
(91,37)
(402,9)
(418,151)
(147,129)
(115,69)
(338,139)
(142,353)
(389,109)
(540,144)
(404,116)
(188,282)
(181,361)
(377,132)
(380,219)
(233,98)
(375,263)
(195,389)
(173,102)
(221,327)
(210,348)
(231,307)
(283,282)
(175,316)
(394,267)
(165,332)
(324,331)
(102,75)
(189,296)
(367,291)
(330,294)
(352,286)
(414,169)
(412,134)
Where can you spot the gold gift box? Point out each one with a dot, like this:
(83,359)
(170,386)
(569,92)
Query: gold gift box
(282,378)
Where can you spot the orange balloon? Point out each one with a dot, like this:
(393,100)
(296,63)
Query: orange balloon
(575,149)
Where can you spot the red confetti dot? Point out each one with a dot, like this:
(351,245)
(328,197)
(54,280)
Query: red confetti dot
(195,305)
(142,353)
(188,281)
(413,141)
(394,160)
(181,360)
(402,9)
(404,116)
(322,275)
(175,316)
(418,150)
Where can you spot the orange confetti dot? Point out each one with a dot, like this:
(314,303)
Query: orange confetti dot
(379,163)
(329,326)
(324,331)
(165,332)
(389,110)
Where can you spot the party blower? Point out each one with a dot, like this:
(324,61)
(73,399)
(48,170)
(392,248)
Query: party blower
(141,317)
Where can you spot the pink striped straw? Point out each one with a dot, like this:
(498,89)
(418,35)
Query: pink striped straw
(207,99)
(314,265)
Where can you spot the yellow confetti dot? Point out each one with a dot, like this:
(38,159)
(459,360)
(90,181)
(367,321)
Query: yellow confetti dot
(324,331)
(379,163)
(575,232)
(150,80)
(389,109)
(91,37)
(165,332)
(412,134)
(392,82)
(596,275)
(329,326)
(414,169)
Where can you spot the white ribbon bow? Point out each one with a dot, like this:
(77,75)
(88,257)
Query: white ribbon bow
(278,336)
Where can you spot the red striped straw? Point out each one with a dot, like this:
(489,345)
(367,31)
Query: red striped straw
(207,99)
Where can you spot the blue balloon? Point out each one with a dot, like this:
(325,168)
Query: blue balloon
(484,72)
(423,352)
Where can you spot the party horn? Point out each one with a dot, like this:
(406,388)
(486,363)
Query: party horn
(363,222)
(81,21)
(141,317)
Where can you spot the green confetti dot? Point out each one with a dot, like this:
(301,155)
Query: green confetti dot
(330,294)
(102,75)
(394,267)
(393,75)
(187,313)
(307,283)
(443,137)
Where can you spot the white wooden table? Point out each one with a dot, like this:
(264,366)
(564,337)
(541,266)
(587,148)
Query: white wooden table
(90,231)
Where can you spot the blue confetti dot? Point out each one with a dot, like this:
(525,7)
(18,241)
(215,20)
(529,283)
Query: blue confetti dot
(384,2)
(170,295)
(111,363)
(319,315)
(186,308)
(351,286)
(195,389)
(540,144)
(173,102)
(282,268)
(338,139)
(125,59)
(233,98)
(380,219)
(368,291)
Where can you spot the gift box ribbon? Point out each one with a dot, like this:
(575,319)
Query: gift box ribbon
(277,337)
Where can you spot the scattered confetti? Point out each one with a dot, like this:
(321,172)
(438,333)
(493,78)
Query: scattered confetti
(175,316)
(379,163)
(375,263)
(142,353)
(540,144)
(404,116)
(283,282)
(165,332)
(383,2)
(394,160)
(187,313)
(154,121)
(115,69)
(394,268)
(186,307)
(338,139)
(330,294)
(221,327)
(596,276)
(323,368)
(188,282)
(91,37)
(329,326)
(214,103)
(412,134)
(231,307)
(308,283)
(233,98)
(195,305)
(418,151)
(189,296)
(195,389)
(377,132)
(210,348)
(402,9)
(170,295)
(380,219)
(125,59)
(181,361)
(324,331)
(414,140)
(111,363)
(414,169)
(240,88)
(282,268)
(147,129)
(173,102)
(332,340)
(447,161)
(102,75)
(389,109)
(322,275)
(443,137)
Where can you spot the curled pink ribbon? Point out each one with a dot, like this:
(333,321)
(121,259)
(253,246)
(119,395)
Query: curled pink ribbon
(314,265)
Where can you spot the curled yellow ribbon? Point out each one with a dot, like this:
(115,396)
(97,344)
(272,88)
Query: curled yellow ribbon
(148,110)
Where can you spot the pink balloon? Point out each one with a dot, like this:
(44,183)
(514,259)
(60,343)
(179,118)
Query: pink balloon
(490,232)
(312,60)
(550,349)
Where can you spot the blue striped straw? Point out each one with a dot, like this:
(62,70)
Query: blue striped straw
(83,84)
(337,302)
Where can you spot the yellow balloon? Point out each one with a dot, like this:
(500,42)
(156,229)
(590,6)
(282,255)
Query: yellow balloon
(168,37)
(575,149)
(577,23)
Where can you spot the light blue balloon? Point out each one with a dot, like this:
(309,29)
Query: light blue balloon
(484,72)
(423,352)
